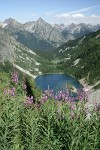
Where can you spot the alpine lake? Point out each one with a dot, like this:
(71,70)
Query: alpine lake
(58,82)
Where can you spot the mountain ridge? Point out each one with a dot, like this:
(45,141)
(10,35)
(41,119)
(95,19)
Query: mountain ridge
(52,35)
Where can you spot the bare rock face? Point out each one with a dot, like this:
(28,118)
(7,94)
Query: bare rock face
(46,31)
(12,23)
(42,29)
(29,26)
(6,48)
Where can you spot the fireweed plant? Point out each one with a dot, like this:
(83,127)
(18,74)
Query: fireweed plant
(53,122)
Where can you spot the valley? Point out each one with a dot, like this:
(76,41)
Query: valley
(77,57)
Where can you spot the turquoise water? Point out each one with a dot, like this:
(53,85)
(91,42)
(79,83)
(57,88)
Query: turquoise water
(56,82)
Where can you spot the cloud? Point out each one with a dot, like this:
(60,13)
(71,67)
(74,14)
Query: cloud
(84,9)
(67,15)
(50,13)
(63,15)
(33,14)
(77,19)
(78,15)
(94,16)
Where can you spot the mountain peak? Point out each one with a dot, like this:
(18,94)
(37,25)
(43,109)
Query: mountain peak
(72,25)
(10,21)
(40,20)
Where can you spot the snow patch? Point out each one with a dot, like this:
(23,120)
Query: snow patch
(82,66)
(97,36)
(32,52)
(67,48)
(67,58)
(19,50)
(27,58)
(60,50)
(25,71)
(37,63)
(82,38)
(40,73)
(20,56)
(3,24)
(76,28)
(36,69)
(76,61)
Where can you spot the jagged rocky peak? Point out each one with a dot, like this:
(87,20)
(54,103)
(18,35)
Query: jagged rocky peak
(62,26)
(29,25)
(42,29)
(72,25)
(59,26)
(40,20)
(83,24)
(13,22)
(10,21)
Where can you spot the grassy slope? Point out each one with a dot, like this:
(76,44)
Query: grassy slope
(50,125)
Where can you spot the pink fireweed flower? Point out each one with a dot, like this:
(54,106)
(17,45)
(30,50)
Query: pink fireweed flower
(56,97)
(66,98)
(69,102)
(72,107)
(97,106)
(13,89)
(43,99)
(15,77)
(46,92)
(24,86)
(13,93)
(5,91)
(63,96)
(82,95)
(37,106)
(29,101)
(49,93)
(46,97)
(10,91)
(60,92)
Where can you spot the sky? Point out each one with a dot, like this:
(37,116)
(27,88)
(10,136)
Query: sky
(52,11)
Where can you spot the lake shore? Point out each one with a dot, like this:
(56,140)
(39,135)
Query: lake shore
(94,95)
